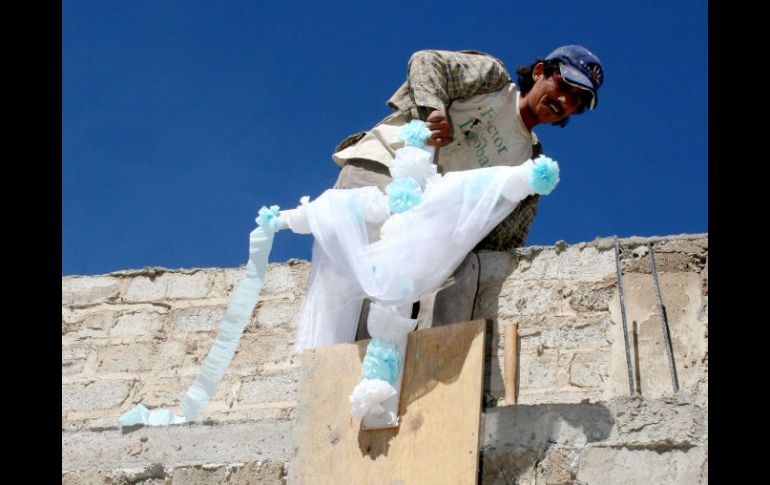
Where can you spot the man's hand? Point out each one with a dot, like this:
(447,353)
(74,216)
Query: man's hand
(440,129)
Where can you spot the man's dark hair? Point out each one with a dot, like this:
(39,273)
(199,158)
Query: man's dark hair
(525,82)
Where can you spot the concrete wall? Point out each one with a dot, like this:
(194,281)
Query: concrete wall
(140,336)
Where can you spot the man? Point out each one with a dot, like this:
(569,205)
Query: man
(478,117)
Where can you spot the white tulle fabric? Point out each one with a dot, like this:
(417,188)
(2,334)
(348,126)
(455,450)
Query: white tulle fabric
(417,251)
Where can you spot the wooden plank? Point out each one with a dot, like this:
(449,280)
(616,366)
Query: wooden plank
(437,442)
(511,362)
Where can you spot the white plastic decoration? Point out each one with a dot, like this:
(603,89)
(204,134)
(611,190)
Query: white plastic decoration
(426,224)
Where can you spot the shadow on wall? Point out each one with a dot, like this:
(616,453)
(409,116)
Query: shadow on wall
(517,439)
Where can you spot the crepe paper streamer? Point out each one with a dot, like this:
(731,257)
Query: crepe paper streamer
(237,316)
(403,194)
(371,399)
(369,204)
(414,162)
(376,208)
(382,361)
(367,396)
(269,219)
(415,133)
(141,415)
(386,323)
(296,218)
(545,175)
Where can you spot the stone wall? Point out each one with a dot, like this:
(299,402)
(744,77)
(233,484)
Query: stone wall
(140,336)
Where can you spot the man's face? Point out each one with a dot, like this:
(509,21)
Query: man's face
(551,99)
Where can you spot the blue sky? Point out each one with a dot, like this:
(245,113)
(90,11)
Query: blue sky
(180,119)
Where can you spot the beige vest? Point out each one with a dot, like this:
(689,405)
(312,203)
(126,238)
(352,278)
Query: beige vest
(488,131)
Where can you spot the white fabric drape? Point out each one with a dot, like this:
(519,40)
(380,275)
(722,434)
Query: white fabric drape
(417,251)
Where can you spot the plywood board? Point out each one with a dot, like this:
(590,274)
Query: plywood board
(437,441)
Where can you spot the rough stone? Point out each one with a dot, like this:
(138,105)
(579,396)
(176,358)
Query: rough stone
(588,369)
(278,312)
(670,421)
(519,298)
(279,279)
(127,358)
(588,296)
(556,467)
(179,445)
(198,475)
(565,333)
(100,394)
(538,370)
(572,262)
(145,289)
(610,466)
(136,324)
(73,358)
(168,286)
(198,319)
(89,477)
(186,286)
(254,473)
(533,427)
(269,389)
(87,323)
(270,346)
(82,290)
(265,473)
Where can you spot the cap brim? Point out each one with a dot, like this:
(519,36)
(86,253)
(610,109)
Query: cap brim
(576,78)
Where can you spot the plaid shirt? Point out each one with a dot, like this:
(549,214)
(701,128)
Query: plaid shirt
(436,79)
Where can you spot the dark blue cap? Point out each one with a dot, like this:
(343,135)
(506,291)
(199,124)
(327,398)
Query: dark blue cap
(580,68)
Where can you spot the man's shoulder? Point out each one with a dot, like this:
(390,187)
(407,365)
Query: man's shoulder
(463,53)
(483,54)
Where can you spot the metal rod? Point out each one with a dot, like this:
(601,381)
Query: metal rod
(623,315)
(664,321)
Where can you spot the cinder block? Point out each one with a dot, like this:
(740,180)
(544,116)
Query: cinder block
(253,350)
(572,262)
(667,421)
(279,279)
(275,313)
(269,389)
(87,323)
(142,323)
(88,477)
(88,290)
(167,286)
(590,296)
(232,277)
(576,333)
(524,298)
(610,466)
(198,475)
(198,319)
(186,286)
(586,262)
(156,392)
(589,369)
(126,358)
(254,473)
(538,370)
(73,358)
(143,288)
(101,394)
(176,446)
